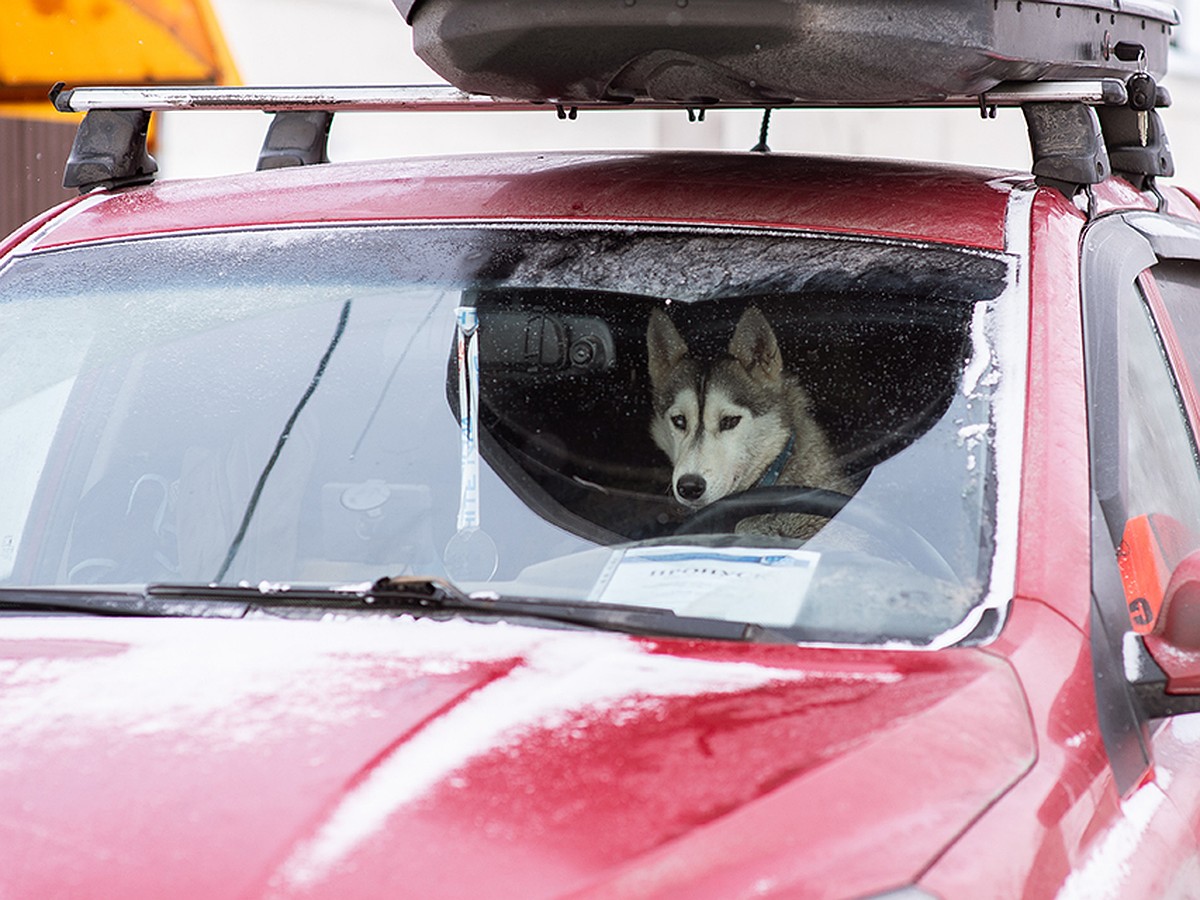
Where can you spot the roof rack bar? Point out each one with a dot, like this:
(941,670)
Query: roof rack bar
(444,98)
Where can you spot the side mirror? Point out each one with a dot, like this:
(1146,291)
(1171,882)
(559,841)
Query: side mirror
(1175,641)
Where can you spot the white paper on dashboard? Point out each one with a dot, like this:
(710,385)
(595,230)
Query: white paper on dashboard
(766,586)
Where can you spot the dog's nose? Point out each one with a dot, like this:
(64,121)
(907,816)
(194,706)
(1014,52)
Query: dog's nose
(691,487)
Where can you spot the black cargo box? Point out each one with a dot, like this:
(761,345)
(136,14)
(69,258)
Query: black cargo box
(778,51)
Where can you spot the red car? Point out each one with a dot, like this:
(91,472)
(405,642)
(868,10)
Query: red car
(611,525)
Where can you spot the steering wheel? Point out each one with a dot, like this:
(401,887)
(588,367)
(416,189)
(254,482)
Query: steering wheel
(722,516)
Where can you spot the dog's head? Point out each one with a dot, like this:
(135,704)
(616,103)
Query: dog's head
(720,424)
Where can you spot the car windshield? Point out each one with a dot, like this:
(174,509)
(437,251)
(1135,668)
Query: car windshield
(781,428)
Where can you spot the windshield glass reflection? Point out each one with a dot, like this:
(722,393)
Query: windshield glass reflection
(790,430)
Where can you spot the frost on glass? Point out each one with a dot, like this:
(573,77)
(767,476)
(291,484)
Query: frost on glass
(288,406)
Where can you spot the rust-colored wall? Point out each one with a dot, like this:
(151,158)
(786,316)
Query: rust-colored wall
(32,156)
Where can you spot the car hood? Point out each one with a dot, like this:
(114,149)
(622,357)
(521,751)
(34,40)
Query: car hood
(355,757)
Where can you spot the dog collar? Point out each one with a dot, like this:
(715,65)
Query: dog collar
(775,469)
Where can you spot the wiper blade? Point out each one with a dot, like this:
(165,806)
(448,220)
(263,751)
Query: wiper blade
(643,620)
(431,596)
(407,594)
(107,602)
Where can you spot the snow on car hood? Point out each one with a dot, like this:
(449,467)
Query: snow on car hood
(418,758)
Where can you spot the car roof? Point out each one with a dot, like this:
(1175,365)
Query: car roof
(926,202)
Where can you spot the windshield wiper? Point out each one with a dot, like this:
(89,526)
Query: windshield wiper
(415,596)
(116,602)
(607,616)
(433,596)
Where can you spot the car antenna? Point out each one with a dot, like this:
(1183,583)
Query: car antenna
(761,146)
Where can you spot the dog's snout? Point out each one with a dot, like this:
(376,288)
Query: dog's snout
(691,487)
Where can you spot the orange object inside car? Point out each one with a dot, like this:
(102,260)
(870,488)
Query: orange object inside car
(1151,547)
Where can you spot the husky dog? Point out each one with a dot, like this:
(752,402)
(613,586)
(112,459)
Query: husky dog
(736,423)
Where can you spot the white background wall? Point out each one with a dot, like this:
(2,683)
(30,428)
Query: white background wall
(313,42)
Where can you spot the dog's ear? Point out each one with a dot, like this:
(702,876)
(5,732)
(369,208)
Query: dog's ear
(755,347)
(665,346)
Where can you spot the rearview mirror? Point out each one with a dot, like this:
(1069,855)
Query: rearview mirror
(541,342)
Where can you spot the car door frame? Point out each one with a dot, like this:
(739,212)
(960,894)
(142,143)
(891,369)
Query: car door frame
(1117,253)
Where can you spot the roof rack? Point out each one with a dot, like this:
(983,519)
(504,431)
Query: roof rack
(445,98)
(1071,142)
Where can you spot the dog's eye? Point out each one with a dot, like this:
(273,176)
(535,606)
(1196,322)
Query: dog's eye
(729,422)
(679,422)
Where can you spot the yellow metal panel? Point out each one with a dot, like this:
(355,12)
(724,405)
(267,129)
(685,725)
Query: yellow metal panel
(108,42)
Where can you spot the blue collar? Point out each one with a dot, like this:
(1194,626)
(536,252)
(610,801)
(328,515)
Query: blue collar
(775,469)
